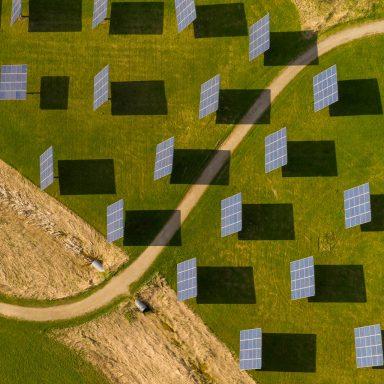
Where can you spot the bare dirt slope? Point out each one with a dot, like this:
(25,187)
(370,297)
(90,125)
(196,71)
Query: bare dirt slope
(45,248)
(319,15)
(169,345)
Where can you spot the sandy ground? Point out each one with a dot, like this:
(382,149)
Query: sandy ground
(319,15)
(169,345)
(45,249)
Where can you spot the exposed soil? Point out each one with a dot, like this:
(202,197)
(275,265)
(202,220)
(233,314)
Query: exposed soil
(169,344)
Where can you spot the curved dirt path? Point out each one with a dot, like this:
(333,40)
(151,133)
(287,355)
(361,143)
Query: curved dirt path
(119,284)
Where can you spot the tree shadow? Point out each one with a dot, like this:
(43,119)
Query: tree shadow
(55,15)
(310,159)
(54,91)
(235,103)
(289,352)
(377,210)
(142,227)
(357,97)
(267,222)
(137,18)
(139,98)
(86,177)
(220,20)
(188,165)
(339,284)
(225,285)
(287,46)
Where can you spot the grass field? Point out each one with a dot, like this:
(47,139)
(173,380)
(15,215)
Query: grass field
(296,213)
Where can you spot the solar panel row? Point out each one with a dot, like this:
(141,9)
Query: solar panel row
(368,346)
(186,279)
(259,38)
(302,278)
(209,96)
(46,168)
(13,82)
(325,89)
(231,215)
(115,221)
(101,88)
(185,13)
(164,158)
(16,10)
(100,8)
(357,205)
(250,349)
(276,150)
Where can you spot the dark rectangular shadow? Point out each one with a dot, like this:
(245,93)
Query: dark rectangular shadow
(55,15)
(339,284)
(267,222)
(287,46)
(86,177)
(137,18)
(139,98)
(310,159)
(357,97)
(142,227)
(188,165)
(289,352)
(220,20)
(54,92)
(225,285)
(235,103)
(377,212)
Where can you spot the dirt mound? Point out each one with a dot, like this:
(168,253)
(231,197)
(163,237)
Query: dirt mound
(45,249)
(169,345)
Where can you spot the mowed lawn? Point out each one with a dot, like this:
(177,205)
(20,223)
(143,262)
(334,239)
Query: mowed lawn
(296,213)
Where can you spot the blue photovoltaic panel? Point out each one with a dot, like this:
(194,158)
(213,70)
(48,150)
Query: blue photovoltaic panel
(325,90)
(101,88)
(259,37)
(100,8)
(13,82)
(231,215)
(46,168)
(186,280)
(164,158)
(16,11)
(250,349)
(185,13)
(302,278)
(276,150)
(115,221)
(357,206)
(209,96)
(369,347)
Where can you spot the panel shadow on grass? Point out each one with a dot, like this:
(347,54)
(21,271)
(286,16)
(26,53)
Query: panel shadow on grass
(220,20)
(289,352)
(357,97)
(139,98)
(188,165)
(287,46)
(86,177)
(142,227)
(140,18)
(225,285)
(267,222)
(339,284)
(54,92)
(310,159)
(377,212)
(55,15)
(235,103)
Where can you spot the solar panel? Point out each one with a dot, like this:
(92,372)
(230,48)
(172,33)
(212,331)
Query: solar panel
(302,278)
(16,10)
(101,88)
(46,168)
(357,206)
(276,150)
(209,96)
(186,280)
(231,215)
(368,346)
(164,158)
(100,8)
(250,349)
(115,221)
(325,90)
(13,82)
(259,38)
(185,13)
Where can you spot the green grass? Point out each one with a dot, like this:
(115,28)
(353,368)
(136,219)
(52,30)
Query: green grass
(318,225)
